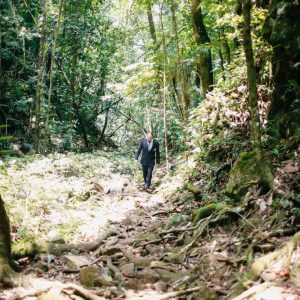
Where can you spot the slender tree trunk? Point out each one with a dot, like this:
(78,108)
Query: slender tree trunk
(56,31)
(39,83)
(73,78)
(261,165)
(185,100)
(204,59)
(101,138)
(225,46)
(164,91)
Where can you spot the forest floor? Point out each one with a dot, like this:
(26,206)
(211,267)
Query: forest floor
(95,234)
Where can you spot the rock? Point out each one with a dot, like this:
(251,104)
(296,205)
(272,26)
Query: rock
(243,174)
(175,258)
(160,286)
(295,276)
(111,241)
(75,262)
(148,275)
(40,265)
(127,242)
(206,294)
(88,276)
(103,281)
(53,294)
(128,270)
(109,250)
(151,249)
(168,276)
(139,261)
(115,186)
(134,283)
(57,240)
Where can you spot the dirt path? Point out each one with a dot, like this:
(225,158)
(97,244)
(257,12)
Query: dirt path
(146,246)
(71,199)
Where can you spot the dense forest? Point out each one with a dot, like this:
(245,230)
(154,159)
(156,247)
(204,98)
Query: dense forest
(218,84)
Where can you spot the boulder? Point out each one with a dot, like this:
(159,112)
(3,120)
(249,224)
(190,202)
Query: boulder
(243,174)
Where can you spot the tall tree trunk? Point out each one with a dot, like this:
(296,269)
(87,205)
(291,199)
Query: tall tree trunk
(185,100)
(281,31)
(204,59)
(261,165)
(151,24)
(6,272)
(164,91)
(56,31)
(39,83)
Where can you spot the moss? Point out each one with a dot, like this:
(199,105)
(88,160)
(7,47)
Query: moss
(242,176)
(208,210)
(26,248)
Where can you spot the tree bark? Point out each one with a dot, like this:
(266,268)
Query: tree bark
(281,31)
(151,24)
(56,31)
(262,167)
(39,83)
(7,275)
(204,59)
(164,89)
(185,100)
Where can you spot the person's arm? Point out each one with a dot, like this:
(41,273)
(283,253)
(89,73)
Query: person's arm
(140,148)
(157,154)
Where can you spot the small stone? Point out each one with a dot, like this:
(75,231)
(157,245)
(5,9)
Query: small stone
(88,276)
(160,286)
(128,270)
(109,250)
(168,276)
(41,265)
(75,262)
(134,283)
(148,275)
(103,281)
(57,240)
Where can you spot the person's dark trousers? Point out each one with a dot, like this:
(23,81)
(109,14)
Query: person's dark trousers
(147,172)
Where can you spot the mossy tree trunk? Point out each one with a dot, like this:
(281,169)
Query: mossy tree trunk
(282,31)
(204,59)
(6,273)
(182,76)
(262,167)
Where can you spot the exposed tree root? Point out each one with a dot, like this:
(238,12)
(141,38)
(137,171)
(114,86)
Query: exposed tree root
(8,276)
(180,293)
(254,290)
(32,249)
(265,261)
(86,294)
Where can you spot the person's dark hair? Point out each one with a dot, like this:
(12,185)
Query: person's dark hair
(150,132)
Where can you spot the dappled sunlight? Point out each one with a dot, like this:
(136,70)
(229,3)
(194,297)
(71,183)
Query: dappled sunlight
(73,196)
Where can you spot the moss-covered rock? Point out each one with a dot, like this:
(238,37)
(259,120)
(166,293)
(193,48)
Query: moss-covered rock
(243,174)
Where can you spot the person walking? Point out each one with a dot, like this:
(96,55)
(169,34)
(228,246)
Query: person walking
(149,147)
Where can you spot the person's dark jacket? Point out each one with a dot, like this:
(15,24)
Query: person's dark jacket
(151,157)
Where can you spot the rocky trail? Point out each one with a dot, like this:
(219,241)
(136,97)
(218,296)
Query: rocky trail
(102,237)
